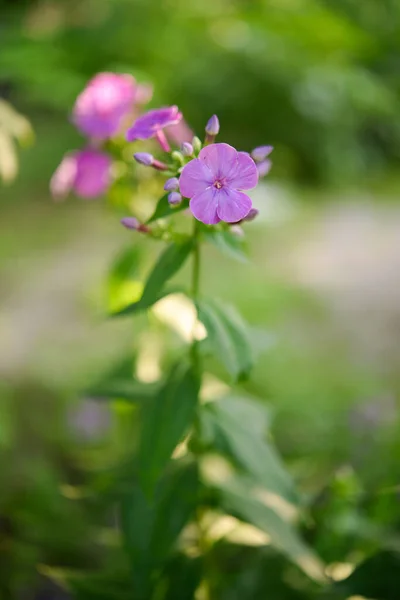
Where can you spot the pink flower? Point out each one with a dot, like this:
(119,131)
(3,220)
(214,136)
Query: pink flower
(152,123)
(179,133)
(214,183)
(107,99)
(86,172)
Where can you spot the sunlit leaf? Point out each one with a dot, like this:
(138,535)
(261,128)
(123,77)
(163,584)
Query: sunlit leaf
(237,500)
(165,420)
(227,336)
(123,277)
(239,425)
(167,265)
(377,577)
(164,209)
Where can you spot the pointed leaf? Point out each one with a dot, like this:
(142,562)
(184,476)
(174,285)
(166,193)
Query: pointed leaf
(377,577)
(167,265)
(238,501)
(165,420)
(240,427)
(227,336)
(164,209)
(229,244)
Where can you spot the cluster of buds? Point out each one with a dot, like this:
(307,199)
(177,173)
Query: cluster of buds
(213,176)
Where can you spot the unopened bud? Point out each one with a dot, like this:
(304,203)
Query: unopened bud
(264,167)
(237,231)
(178,157)
(261,152)
(130,223)
(187,149)
(144,158)
(171,185)
(174,198)
(251,215)
(212,127)
(133,224)
(196,143)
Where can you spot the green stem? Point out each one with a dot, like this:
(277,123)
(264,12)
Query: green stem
(195,292)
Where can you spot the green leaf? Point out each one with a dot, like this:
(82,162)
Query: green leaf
(165,420)
(164,209)
(119,382)
(377,577)
(151,526)
(229,244)
(167,265)
(237,500)
(228,337)
(239,426)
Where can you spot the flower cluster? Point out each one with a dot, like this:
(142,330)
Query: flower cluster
(214,177)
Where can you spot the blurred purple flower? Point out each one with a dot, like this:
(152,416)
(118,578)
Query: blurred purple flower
(86,172)
(264,167)
(261,152)
(107,99)
(152,123)
(214,183)
(179,133)
(144,93)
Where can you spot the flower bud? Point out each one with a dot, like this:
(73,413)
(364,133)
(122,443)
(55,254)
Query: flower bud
(261,152)
(237,231)
(133,224)
(264,167)
(251,215)
(187,149)
(144,158)
(172,184)
(212,127)
(196,143)
(130,223)
(174,198)
(178,157)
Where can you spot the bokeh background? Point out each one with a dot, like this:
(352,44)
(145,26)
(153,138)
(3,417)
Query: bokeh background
(318,79)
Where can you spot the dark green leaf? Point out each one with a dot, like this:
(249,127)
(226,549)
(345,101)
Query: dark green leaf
(167,265)
(227,336)
(229,244)
(164,209)
(183,575)
(238,500)
(165,420)
(240,426)
(377,577)
(151,526)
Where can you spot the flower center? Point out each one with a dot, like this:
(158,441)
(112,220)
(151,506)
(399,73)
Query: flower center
(218,184)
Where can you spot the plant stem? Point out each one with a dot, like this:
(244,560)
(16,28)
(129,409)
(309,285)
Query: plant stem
(195,292)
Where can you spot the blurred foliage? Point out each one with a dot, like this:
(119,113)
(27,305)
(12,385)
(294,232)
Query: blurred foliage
(316,78)
(320,81)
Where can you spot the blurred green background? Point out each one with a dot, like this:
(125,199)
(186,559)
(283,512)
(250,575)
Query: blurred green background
(318,79)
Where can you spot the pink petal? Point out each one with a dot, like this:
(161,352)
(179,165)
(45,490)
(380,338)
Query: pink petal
(63,179)
(204,206)
(245,175)
(220,159)
(195,178)
(233,206)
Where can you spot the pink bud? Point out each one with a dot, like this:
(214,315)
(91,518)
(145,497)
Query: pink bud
(261,152)
(187,149)
(144,158)
(130,223)
(251,215)
(212,127)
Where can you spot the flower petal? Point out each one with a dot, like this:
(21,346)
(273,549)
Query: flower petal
(245,176)
(221,159)
(195,178)
(204,206)
(232,206)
